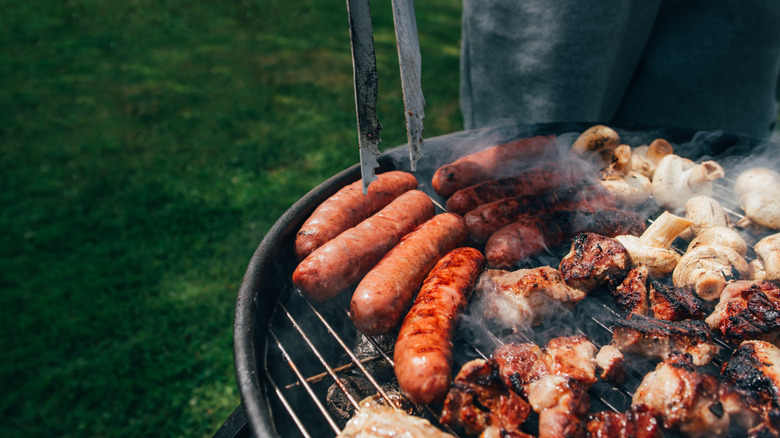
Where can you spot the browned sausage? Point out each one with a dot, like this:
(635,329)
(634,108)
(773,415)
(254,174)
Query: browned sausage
(387,291)
(545,178)
(342,261)
(530,236)
(486,219)
(423,351)
(348,207)
(490,163)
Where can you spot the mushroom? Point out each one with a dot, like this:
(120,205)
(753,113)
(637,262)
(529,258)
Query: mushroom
(705,212)
(762,208)
(768,257)
(597,140)
(652,248)
(629,188)
(644,159)
(677,179)
(725,236)
(707,268)
(757,179)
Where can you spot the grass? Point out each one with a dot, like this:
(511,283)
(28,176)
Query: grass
(146,148)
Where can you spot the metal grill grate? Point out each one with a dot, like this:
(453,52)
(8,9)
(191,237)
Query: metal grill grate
(311,349)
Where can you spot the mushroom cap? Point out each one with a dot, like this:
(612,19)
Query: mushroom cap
(720,236)
(705,212)
(757,179)
(629,191)
(768,255)
(762,208)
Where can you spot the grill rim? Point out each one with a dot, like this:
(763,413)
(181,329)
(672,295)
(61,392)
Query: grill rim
(263,280)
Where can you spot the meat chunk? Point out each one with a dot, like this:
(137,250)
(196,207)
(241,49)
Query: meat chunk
(594,260)
(524,297)
(674,303)
(376,420)
(659,339)
(612,364)
(553,379)
(686,398)
(753,374)
(562,404)
(478,398)
(631,295)
(638,422)
(748,310)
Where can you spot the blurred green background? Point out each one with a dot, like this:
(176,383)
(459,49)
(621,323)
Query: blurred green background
(147,146)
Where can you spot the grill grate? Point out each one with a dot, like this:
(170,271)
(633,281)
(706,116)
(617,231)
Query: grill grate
(311,349)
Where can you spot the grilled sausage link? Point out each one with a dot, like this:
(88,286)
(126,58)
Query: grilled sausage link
(530,236)
(491,162)
(423,350)
(486,219)
(545,178)
(388,290)
(343,260)
(348,207)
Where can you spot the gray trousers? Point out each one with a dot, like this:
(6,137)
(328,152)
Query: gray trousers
(698,64)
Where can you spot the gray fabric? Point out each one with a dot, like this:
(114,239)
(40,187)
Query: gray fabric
(710,65)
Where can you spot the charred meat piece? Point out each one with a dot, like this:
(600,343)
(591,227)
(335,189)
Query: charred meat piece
(594,260)
(524,297)
(573,357)
(753,374)
(520,364)
(631,295)
(674,303)
(747,310)
(562,404)
(478,398)
(638,422)
(686,399)
(531,236)
(658,339)
(376,420)
(612,364)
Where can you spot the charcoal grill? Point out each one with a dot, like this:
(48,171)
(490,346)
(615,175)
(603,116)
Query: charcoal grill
(290,351)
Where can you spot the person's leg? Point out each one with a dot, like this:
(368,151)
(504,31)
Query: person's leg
(710,65)
(538,61)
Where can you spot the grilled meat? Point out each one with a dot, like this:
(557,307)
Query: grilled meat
(526,296)
(638,422)
(478,398)
(686,399)
(631,295)
(674,303)
(554,378)
(594,260)
(659,339)
(562,403)
(612,364)
(376,420)
(753,374)
(748,310)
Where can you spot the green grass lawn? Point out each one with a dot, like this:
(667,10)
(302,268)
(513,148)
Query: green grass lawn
(146,147)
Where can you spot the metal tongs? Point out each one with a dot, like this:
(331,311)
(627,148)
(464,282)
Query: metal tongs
(365,76)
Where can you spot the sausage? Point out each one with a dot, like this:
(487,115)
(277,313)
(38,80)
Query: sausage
(388,290)
(423,350)
(491,162)
(486,219)
(343,260)
(530,236)
(545,178)
(348,207)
